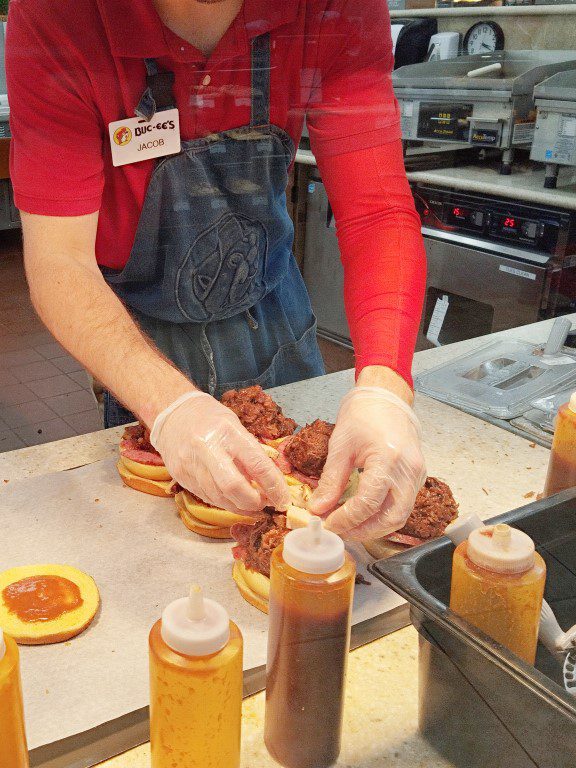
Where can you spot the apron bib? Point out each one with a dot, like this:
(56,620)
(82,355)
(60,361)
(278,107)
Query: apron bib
(211,277)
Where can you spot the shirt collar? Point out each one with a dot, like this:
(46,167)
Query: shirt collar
(135,30)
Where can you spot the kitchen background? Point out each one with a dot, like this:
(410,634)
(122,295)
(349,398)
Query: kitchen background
(501,247)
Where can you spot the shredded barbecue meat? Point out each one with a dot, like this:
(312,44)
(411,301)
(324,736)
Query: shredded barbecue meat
(257,542)
(307,450)
(434,508)
(259,413)
(138,437)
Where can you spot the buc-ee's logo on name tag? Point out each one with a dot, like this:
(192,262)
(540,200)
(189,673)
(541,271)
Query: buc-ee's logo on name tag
(134,139)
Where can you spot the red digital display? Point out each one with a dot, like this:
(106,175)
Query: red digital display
(509,223)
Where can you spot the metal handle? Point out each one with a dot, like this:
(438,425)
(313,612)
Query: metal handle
(558,336)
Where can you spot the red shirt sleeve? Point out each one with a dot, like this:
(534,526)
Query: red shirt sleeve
(354,127)
(382,253)
(56,159)
(352,104)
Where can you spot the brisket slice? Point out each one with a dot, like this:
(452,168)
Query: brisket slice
(257,542)
(258,413)
(308,449)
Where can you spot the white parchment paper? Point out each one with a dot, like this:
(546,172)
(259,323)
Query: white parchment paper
(141,557)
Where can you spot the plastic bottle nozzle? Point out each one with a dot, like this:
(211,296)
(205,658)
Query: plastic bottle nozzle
(502,536)
(313,549)
(196,609)
(195,625)
(315,528)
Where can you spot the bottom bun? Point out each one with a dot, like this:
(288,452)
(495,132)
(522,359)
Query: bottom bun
(61,628)
(161,488)
(200,527)
(381,548)
(241,576)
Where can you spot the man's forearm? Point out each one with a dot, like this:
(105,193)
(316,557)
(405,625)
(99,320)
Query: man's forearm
(87,318)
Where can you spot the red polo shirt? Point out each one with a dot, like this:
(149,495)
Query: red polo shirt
(76,65)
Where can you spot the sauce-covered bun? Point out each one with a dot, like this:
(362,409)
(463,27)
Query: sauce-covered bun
(42,604)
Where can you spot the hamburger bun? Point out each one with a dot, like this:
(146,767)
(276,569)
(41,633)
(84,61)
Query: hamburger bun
(140,465)
(254,587)
(133,479)
(205,519)
(54,630)
(146,471)
(381,548)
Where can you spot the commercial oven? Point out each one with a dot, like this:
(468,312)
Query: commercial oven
(493,264)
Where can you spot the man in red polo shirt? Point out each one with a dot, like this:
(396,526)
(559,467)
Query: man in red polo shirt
(151,144)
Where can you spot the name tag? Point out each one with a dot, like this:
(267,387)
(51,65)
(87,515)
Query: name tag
(133,139)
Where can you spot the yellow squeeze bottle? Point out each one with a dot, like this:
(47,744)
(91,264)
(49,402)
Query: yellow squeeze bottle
(13,749)
(195,686)
(498,585)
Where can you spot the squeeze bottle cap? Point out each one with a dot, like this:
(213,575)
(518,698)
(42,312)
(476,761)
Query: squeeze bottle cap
(460,529)
(501,548)
(572,403)
(2,645)
(313,549)
(194,625)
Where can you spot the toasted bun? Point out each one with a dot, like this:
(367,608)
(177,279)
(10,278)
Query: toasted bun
(381,548)
(258,597)
(153,487)
(57,630)
(210,515)
(147,471)
(198,526)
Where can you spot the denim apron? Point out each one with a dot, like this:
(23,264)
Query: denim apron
(211,277)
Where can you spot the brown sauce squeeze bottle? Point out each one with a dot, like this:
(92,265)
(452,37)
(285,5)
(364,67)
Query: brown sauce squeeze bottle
(311,593)
(562,464)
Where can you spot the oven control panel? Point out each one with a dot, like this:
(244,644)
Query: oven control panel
(531,227)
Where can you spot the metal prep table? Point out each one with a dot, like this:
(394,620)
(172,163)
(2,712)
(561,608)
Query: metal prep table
(440,102)
(555,135)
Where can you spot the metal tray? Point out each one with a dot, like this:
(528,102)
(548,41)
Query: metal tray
(479,704)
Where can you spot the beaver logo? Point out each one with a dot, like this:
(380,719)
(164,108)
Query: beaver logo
(224,268)
(122,135)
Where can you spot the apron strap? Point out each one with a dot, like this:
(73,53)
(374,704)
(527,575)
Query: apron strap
(158,94)
(261,66)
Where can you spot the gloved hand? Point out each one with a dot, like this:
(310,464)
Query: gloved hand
(379,432)
(208,451)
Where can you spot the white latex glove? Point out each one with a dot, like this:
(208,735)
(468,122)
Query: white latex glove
(208,451)
(379,432)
